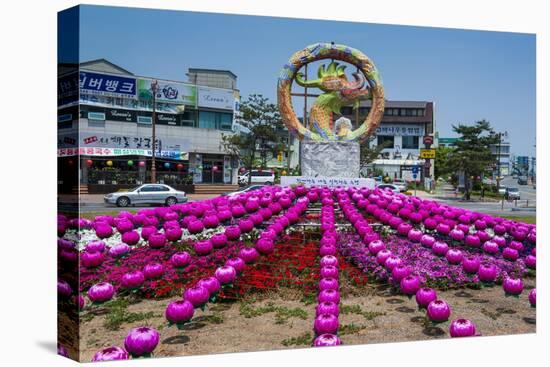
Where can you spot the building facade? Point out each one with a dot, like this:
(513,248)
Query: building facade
(109,126)
(403,129)
(502,155)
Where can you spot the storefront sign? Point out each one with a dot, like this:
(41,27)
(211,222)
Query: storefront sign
(396,130)
(427,153)
(216,98)
(428,140)
(166,119)
(168,92)
(132,142)
(327,181)
(110,152)
(121,115)
(67,89)
(107,85)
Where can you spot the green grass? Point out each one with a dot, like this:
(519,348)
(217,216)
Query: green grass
(304,339)
(530,219)
(356,309)
(350,329)
(282,314)
(119,314)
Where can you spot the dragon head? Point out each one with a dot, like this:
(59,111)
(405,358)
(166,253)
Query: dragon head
(332,78)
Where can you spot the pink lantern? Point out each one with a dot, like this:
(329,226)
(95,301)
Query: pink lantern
(215,168)
(141,163)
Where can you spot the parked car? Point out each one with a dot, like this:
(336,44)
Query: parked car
(147,194)
(522,180)
(502,190)
(512,193)
(258,177)
(245,189)
(401,184)
(390,187)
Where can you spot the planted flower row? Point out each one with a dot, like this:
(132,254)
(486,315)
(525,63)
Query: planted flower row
(327,311)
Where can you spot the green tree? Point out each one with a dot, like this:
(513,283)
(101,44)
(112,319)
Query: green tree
(472,154)
(262,122)
(442,164)
(368,154)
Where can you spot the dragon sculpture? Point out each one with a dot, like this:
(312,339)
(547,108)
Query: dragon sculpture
(337,90)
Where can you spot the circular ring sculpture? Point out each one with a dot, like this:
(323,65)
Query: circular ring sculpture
(337,91)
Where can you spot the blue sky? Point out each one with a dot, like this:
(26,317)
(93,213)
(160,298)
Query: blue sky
(470,75)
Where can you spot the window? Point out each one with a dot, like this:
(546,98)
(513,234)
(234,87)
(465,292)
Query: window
(215,120)
(410,142)
(387,140)
(207,120)
(162,188)
(420,112)
(226,121)
(97,116)
(149,188)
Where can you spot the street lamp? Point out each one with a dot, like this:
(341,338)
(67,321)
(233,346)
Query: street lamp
(154,87)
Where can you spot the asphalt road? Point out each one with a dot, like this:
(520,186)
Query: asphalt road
(445,194)
(526,192)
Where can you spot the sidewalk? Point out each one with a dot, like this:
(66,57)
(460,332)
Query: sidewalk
(95,199)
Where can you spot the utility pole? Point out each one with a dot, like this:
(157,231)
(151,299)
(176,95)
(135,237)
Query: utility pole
(154,87)
(498,160)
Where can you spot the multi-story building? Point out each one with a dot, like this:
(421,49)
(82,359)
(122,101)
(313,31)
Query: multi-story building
(109,126)
(501,154)
(402,130)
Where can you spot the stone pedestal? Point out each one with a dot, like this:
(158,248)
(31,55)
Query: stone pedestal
(329,159)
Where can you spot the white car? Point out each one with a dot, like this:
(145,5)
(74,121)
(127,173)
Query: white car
(146,194)
(390,187)
(258,177)
(246,189)
(401,184)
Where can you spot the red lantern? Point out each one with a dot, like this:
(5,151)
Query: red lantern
(215,168)
(179,166)
(142,163)
(89,162)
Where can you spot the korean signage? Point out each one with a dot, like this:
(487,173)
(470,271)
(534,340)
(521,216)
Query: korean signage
(113,152)
(327,181)
(132,142)
(67,89)
(216,98)
(427,153)
(168,92)
(107,85)
(405,130)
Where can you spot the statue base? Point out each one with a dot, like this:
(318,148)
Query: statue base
(329,159)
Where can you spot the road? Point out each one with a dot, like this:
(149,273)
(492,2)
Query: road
(527,192)
(444,194)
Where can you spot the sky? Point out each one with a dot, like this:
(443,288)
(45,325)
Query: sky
(469,75)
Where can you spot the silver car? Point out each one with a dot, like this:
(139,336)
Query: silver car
(147,194)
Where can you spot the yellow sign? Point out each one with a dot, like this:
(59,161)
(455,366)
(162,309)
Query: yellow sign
(427,153)
(280,156)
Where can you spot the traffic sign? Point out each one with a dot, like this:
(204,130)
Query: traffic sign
(428,140)
(415,170)
(427,153)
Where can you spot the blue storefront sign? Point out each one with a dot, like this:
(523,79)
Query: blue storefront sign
(107,85)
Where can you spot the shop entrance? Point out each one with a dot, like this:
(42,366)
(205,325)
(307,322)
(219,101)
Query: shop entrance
(212,170)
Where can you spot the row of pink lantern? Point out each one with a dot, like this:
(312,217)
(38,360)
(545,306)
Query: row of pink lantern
(327,311)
